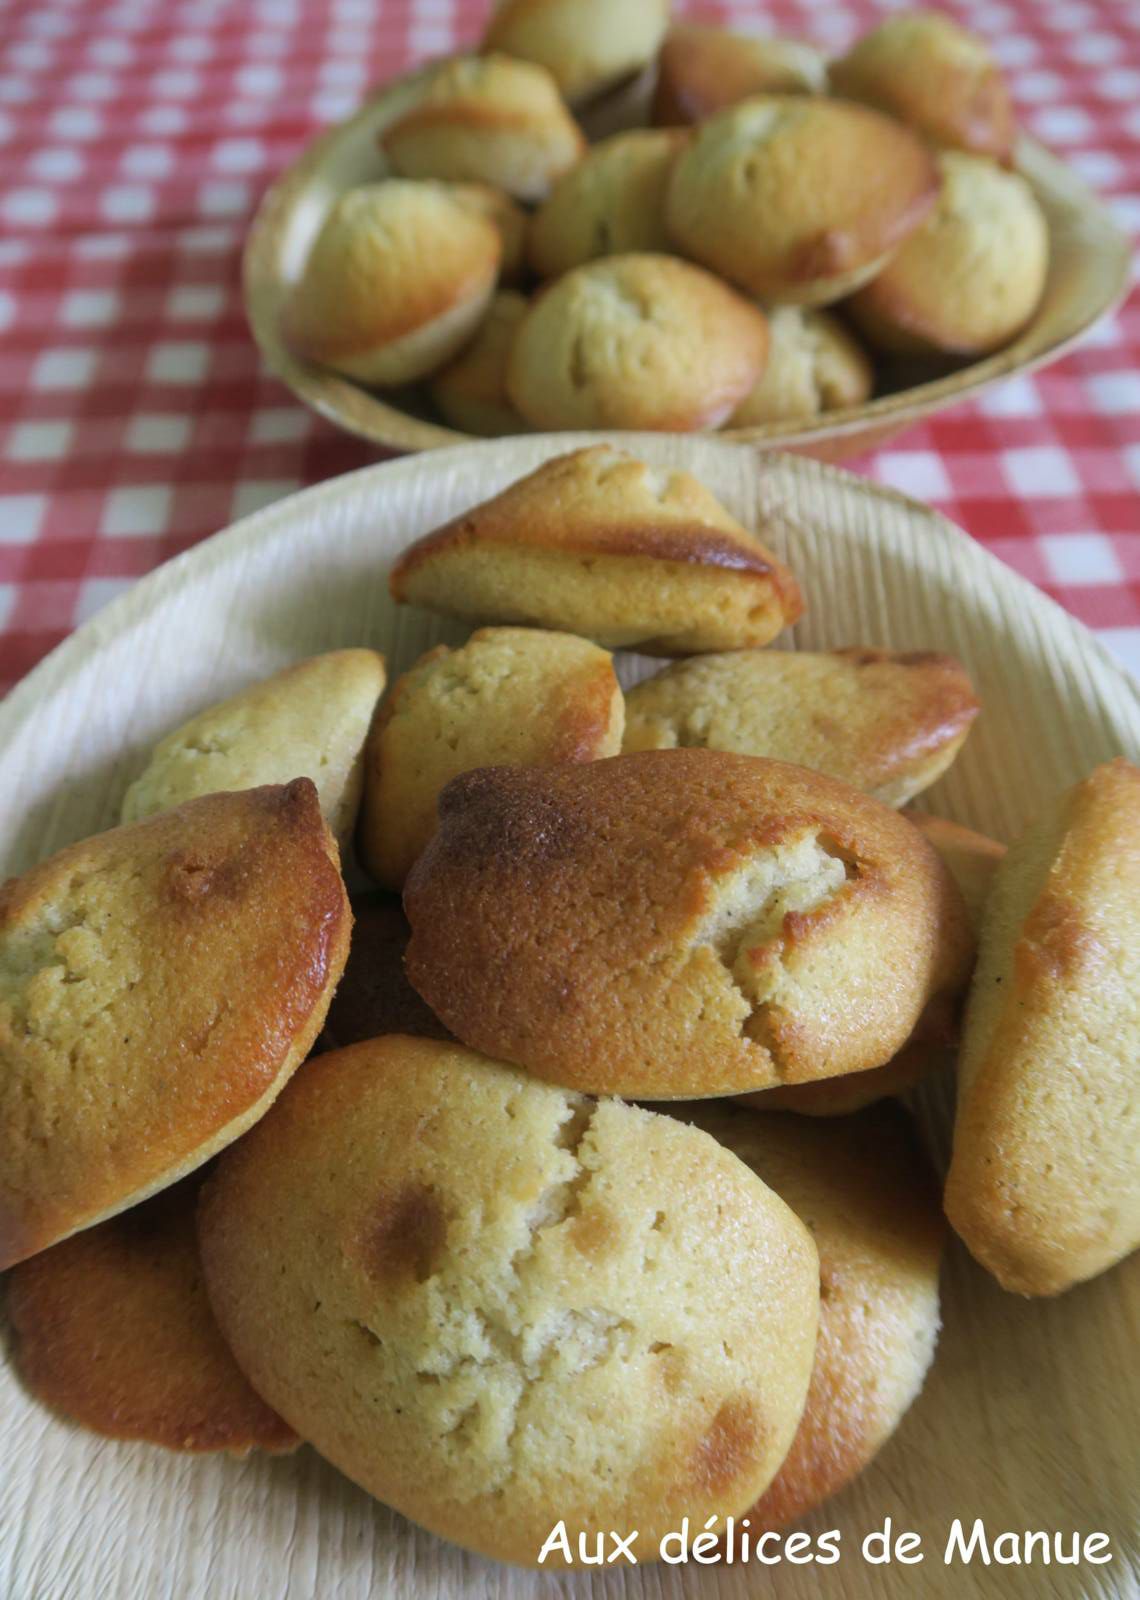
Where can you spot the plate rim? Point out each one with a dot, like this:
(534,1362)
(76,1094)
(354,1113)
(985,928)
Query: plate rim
(74,651)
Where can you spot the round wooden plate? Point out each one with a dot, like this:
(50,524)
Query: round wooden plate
(1089,273)
(1029,1417)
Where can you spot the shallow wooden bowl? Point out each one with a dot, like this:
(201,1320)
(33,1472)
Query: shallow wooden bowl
(1089,268)
(1029,1417)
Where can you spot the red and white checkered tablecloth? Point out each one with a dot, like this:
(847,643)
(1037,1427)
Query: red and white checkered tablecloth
(135,415)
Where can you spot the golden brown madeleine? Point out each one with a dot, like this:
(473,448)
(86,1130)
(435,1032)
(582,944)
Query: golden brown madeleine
(308,721)
(611,203)
(509,697)
(636,341)
(471,393)
(888,722)
(972,858)
(701,70)
(588,45)
(161,982)
(924,69)
(598,543)
(374,996)
(971,276)
(507,215)
(814,365)
(113,1329)
(497,1305)
(864,1187)
(1044,1184)
(797,198)
(396,282)
(679,923)
(488,119)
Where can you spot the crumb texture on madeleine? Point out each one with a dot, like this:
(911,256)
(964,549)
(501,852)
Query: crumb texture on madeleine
(496,1304)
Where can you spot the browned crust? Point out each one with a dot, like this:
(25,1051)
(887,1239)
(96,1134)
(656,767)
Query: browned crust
(702,69)
(950,704)
(113,1329)
(497,521)
(586,717)
(421,305)
(865,1187)
(693,544)
(246,924)
(554,915)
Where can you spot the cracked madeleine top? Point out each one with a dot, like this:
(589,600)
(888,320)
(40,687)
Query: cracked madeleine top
(680,923)
(636,341)
(496,1304)
(600,544)
(158,985)
(889,722)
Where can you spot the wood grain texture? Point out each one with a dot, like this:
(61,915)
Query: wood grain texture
(1090,259)
(1029,1418)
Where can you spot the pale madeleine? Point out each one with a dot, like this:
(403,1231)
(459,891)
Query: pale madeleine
(308,721)
(1044,1185)
(497,1305)
(588,46)
(929,72)
(113,1330)
(639,340)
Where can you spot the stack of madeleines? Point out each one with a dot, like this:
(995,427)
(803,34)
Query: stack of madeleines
(571,1188)
(788,235)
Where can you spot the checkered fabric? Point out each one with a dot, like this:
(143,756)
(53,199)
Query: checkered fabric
(136,418)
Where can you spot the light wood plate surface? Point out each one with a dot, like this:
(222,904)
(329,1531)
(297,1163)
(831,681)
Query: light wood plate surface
(1089,269)
(1029,1418)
